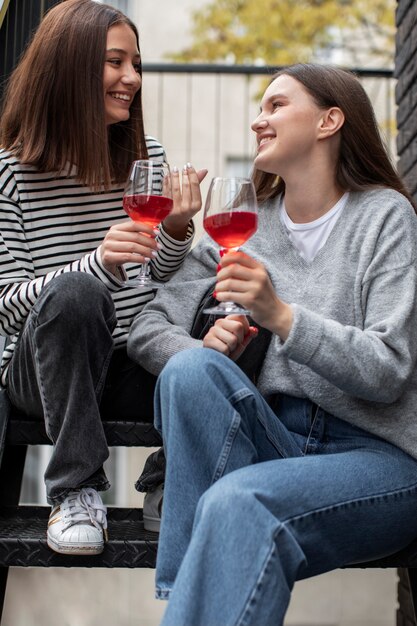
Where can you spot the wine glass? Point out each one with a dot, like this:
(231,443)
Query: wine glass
(230,218)
(147,198)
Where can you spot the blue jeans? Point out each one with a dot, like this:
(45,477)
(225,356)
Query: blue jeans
(257,497)
(64,370)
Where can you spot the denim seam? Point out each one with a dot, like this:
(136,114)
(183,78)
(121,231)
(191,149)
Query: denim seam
(41,385)
(272,439)
(309,437)
(239,395)
(371,498)
(224,454)
(244,393)
(100,383)
(247,609)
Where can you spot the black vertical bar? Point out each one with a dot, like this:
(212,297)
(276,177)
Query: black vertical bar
(21,20)
(412,578)
(4,571)
(11,476)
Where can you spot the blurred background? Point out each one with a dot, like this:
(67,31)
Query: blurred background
(205,66)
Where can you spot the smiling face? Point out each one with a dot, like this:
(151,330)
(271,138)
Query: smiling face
(121,78)
(287,127)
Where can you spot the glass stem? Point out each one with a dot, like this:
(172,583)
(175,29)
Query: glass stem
(229,304)
(144,270)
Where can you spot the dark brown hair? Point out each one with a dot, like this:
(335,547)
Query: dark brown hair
(53,112)
(363,160)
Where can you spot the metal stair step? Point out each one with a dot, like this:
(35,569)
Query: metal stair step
(22,431)
(23,540)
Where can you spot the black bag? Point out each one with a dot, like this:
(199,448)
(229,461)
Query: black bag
(251,360)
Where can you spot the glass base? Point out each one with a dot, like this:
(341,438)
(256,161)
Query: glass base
(226,308)
(142,285)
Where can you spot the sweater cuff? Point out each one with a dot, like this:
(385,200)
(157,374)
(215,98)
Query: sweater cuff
(305,335)
(177,244)
(114,283)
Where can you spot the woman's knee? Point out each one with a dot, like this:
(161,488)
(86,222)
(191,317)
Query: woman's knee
(182,388)
(200,386)
(228,501)
(75,296)
(191,369)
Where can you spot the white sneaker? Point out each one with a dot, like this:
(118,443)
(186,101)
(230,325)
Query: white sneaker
(152,509)
(77,525)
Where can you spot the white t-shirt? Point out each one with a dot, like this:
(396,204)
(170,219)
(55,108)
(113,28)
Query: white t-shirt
(310,237)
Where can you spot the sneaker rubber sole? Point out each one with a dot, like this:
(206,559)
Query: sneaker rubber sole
(152,523)
(68,548)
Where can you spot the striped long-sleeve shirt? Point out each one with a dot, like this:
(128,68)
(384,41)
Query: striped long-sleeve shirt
(50,224)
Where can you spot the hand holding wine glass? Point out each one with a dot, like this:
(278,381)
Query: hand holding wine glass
(251,279)
(147,199)
(230,218)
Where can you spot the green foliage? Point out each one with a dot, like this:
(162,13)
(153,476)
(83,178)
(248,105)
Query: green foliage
(279,32)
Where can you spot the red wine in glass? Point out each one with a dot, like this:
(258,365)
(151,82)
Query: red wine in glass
(147,198)
(230,218)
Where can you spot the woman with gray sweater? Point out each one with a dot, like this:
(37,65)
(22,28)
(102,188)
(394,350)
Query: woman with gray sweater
(315,467)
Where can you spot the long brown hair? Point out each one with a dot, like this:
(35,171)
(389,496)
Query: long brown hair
(53,112)
(363,160)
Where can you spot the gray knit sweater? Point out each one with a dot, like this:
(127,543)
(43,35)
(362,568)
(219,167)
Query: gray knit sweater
(353,345)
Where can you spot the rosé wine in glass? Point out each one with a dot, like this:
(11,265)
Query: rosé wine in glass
(231,230)
(149,209)
(147,198)
(230,218)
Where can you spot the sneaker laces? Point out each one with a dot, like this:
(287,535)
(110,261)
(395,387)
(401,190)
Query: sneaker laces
(85,506)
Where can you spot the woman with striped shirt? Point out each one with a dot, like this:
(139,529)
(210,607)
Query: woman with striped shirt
(70,127)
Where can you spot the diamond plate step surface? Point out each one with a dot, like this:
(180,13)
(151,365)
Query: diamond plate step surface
(23,540)
(21,431)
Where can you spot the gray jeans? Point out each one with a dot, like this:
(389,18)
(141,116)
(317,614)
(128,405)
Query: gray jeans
(65,370)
